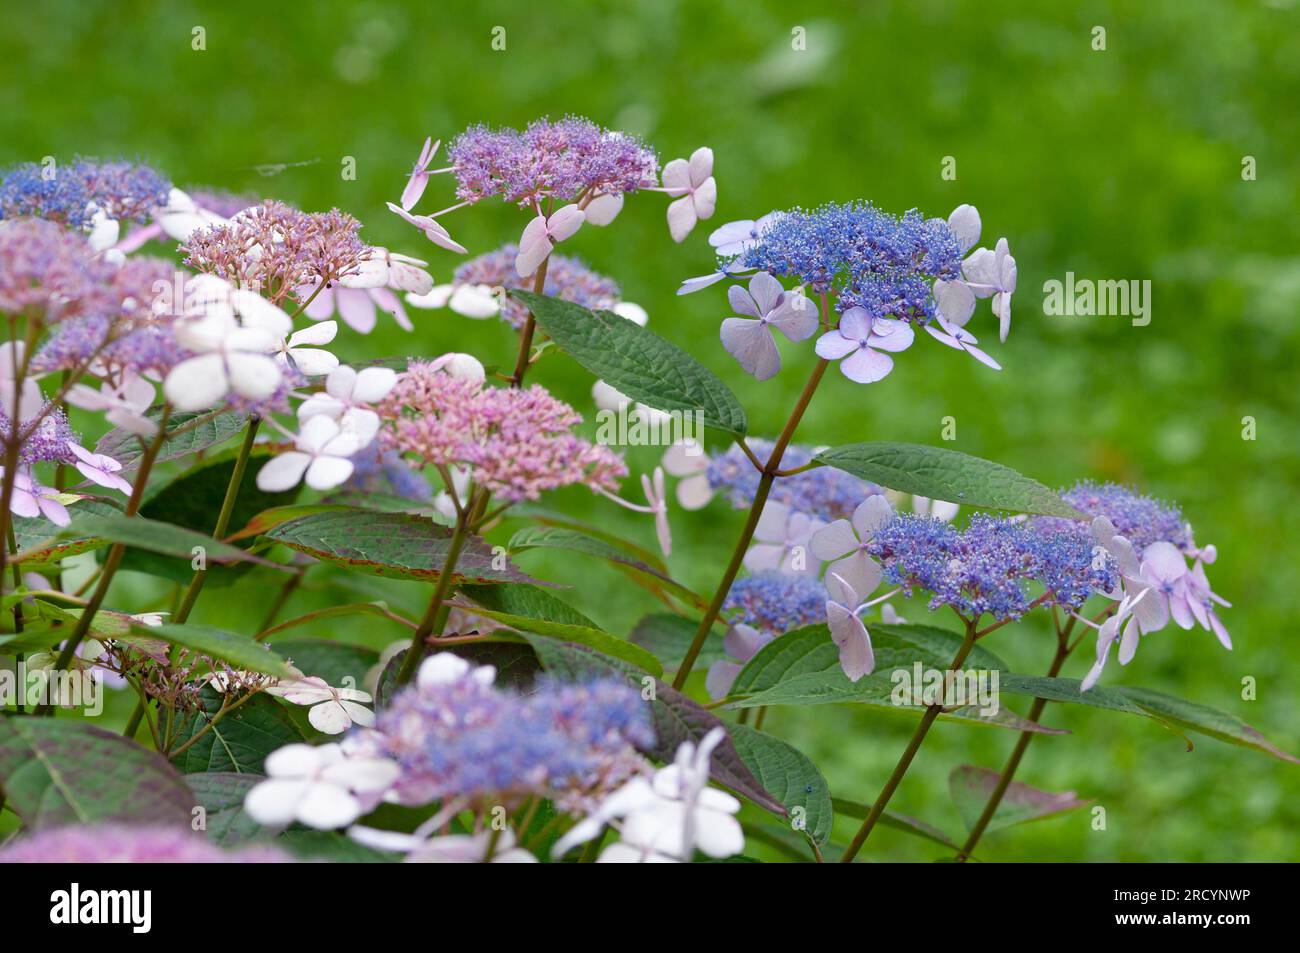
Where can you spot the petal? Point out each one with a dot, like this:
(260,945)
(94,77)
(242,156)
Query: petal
(694,492)
(751,344)
(833,540)
(327,806)
(850,635)
(685,459)
(705,198)
(198,383)
(357,309)
(254,376)
(274,803)
(329,717)
(798,323)
(722,674)
(534,246)
(325,473)
(956,301)
(701,166)
(855,324)
(772,523)
(871,514)
(681,218)
(677,177)
(742,302)
(321,333)
(866,366)
(965,224)
(565,222)
(860,571)
(833,345)
(312,361)
(603,209)
(373,384)
(764,556)
(898,337)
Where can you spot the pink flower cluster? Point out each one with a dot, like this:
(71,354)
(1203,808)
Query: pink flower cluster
(277,249)
(518,443)
(120,844)
(50,272)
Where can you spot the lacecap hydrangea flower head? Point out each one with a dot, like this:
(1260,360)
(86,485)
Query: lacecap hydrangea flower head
(518,442)
(886,274)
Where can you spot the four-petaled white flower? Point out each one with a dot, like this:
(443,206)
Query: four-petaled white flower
(844,544)
(291,352)
(750,340)
(1123,619)
(861,342)
(323,786)
(346,398)
(323,455)
(431,228)
(783,535)
(99,469)
(230,356)
(333,710)
(667,818)
(541,235)
(692,185)
(993,274)
(31,499)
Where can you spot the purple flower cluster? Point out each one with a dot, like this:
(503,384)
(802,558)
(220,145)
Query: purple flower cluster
(465,738)
(1142,520)
(70,194)
(278,249)
(122,844)
(133,335)
(776,602)
(566,278)
(989,566)
(51,273)
(884,263)
(823,492)
(49,441)
(561,160)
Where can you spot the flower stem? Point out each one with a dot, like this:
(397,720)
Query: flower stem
(1013,762)
(905,761)
(115,553)
(766,477)
(435,617)
(223,518)
(526,336)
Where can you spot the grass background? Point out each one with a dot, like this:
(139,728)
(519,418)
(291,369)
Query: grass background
(1124,164)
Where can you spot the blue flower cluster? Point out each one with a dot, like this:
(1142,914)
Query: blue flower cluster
(69,193)
(776,602)
(823,492)
(991,565)
(1143,520)
(466,738)
(884,263)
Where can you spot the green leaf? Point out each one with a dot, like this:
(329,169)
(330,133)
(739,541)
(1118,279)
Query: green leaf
(527,601)
(576,542)
(971,787)
(947,475)
(239,650)
(333,661)
(240,741)
(58,771)
(151,535)
(209,429)
(790,777)
(637,362)
(809,650)
(668,636)
(676,717)
(332,847)
(192,501)
(596,639)
(36,546)
(1204,720)
(392,545)
(221,795)
(547,517)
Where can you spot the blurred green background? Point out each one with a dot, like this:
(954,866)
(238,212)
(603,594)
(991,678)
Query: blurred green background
(1124,163)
